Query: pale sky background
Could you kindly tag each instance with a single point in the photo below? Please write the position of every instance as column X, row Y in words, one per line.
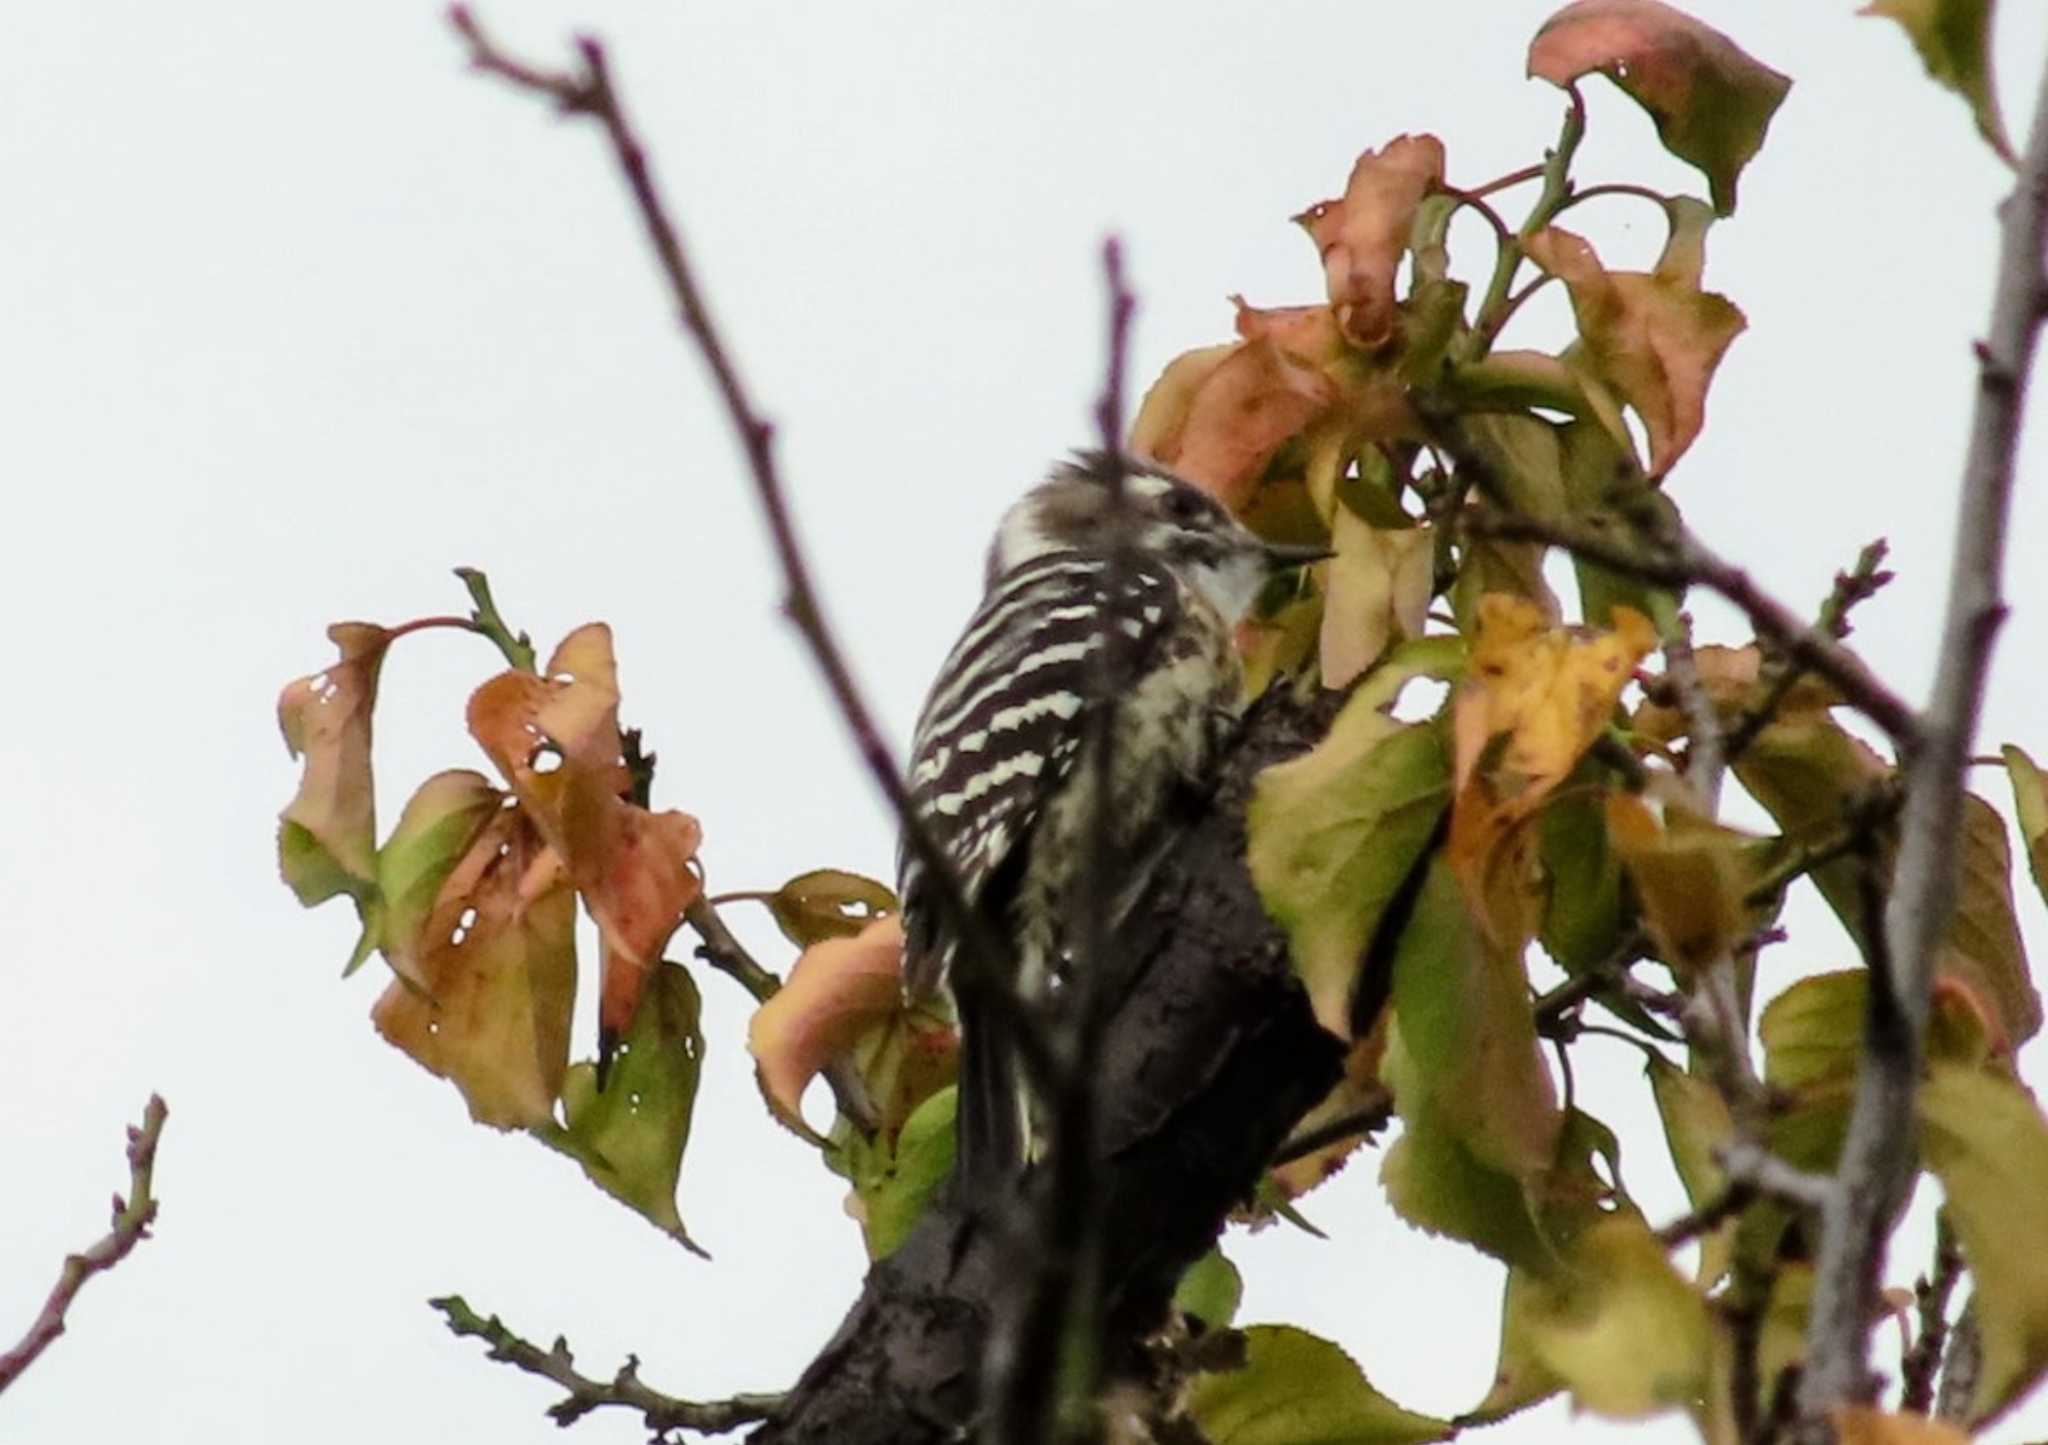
column 295, row 315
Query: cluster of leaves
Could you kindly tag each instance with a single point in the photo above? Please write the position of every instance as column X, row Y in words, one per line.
column 1545, row 805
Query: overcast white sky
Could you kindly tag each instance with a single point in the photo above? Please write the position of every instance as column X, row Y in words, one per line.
column 295, row 315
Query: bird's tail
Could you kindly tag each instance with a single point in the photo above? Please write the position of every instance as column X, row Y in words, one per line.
column 993, row 1132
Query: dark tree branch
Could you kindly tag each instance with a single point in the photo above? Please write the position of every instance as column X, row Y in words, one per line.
column 1876, row 1167
column 1210, row 1055
column 132, row 1218
column 662, row 1413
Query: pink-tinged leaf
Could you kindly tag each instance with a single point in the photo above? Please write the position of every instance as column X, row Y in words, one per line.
column 1308, row 333
column 1654, row 336
column 839, row 991
column 327, row 835
column 1251, row 402
column 1711, row 100
column 1362, row 236
column 556, row 740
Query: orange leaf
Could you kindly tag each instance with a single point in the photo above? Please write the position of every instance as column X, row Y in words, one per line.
column 1655, row 337
column 497, row 960
column 1163, row 414
column 1865, row 1425
column 327, row 835
column 1239, row 415
column 840, row 991
column 1711, row 100
column 1362, row 236
column 631, row 866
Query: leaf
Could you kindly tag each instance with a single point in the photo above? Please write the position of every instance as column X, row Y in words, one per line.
column 1520, row 1378
column 1691, row 876
column 1362, row 236
column 1582, row 914
column 440, row 824
column 840, row 990
column 1696, row 1123
column 1601, row 478
column 1210, row 1289
column 1618, row 1325
column 1866, row 1425
column 896, row 1179
column 1234, row 418
column 1656, row 337
column 1335, row 832
column 631, row 866
column 496, row 966
column 1163, row 415
column 1297, row 1389
column 630, row 1136
column 327, row 834
column 1534, row 699
column 1982, row 948
column 1358, row 1089
column 2030, row 806
column 1813, row 1031
column 828, row 903
column 1281, row 643
column 1711, row 101
column 1984, row 1137
column 1953, row 40
column 1469, row 1059
column 1434, row 1181
column 1377, row 591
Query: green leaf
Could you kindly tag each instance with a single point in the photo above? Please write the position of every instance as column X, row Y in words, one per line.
column 1297, row 1389
column 1618, row 1325
column 1434, row 1182
column 1210, row 1290
column 896, row 1186
column 1712, row 102
column 1984, row 1137
column 1806, row 771
column 827, row 903
column 1582, row 922
column 1602, row 476
column 2030, row 804
column 1696, row 1122
column 1813, row 1031
column 630, row 1138
column 1983, row 947
column 1334, row 833
column 1520, row 1377
column 1953, row 38
column 1469, row 1056
column 440, row 822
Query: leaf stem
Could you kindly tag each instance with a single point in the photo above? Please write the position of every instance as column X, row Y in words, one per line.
column 518, row 649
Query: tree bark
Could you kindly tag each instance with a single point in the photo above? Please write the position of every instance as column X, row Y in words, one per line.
column 1210, row 1057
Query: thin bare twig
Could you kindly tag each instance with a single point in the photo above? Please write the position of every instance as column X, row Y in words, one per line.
column 1862, row 581
column 1043, row 1357
column 590, row 92
column 132, row 1218
column 1705, row 761
column 1930, row 1303
column 1360, row 1123
column 1875, row 1171
column 662, row 1413
column 1961, row 1366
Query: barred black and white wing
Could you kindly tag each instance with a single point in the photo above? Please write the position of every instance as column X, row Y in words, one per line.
column 1003, row 727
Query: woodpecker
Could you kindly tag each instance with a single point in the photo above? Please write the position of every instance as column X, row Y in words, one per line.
column 998, row 776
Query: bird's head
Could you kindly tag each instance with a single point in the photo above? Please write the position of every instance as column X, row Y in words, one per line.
column 1171, row 522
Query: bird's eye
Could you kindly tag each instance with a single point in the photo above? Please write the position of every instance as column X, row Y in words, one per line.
column 1185, row 506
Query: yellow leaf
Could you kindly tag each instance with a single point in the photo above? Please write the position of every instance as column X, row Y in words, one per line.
column 1378, row 591
column 1691, row 876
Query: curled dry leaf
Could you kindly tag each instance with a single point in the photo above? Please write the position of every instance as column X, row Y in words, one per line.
column 1378, row 588
column 435, row 834
column 496, row 962
column 1691, row 876
column 1362, row 236
column 556, row 740
column 840, row 994
column 1654, row 336
column 327, row 834
column 1711, row 100
column 1220, row 419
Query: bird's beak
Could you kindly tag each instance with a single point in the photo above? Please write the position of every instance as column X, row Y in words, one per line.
column 1282, row 556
